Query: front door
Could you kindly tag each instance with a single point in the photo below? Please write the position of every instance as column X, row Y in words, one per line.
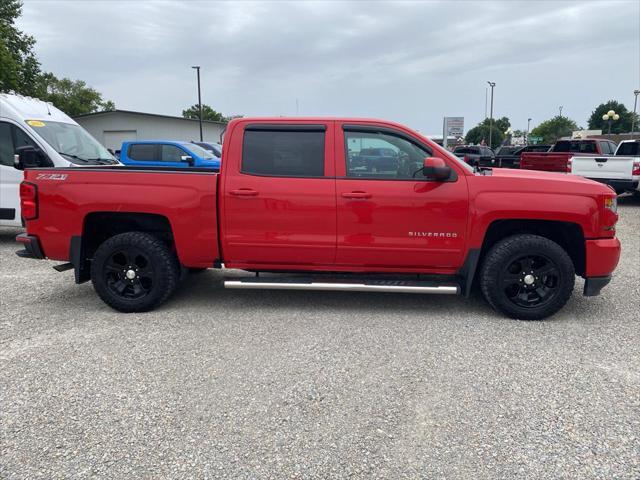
column 11, row 137
column 279, row 199
column 389, row 216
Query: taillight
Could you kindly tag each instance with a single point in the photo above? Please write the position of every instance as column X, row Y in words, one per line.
column 636, row 168
column 29, row 200
column 467, row 159
column 569, row 163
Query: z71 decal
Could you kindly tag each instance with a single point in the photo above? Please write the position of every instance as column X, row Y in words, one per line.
column 51, row 176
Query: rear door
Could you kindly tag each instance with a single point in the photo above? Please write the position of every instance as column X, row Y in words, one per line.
column 279, row 196
column 395, row 219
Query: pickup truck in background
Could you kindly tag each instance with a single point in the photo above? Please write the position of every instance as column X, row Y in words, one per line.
column 621, row 171
column 509, row 156
column 557, row 158
column 475, row 155
column 293, row 205
column 160, row 153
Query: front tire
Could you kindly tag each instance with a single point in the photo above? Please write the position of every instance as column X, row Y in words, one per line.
column 527, row 277
column 134, row 272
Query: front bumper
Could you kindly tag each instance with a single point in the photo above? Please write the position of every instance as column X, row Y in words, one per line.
column 620, row 186
column 602, row 256
column 593, row 285
column 31, row 246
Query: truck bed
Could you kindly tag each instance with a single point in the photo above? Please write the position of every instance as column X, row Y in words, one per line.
column 71, row 197
column 616, row 171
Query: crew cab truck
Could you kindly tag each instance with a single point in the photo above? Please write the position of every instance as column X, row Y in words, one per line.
column 291, row 205
column 557, row 158
column 621, row 172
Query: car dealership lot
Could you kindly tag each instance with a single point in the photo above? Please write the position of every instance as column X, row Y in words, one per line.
column 279, row 384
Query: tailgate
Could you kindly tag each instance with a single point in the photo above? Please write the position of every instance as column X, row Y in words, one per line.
column 620, row 168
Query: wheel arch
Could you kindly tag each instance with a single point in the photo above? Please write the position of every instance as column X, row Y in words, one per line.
column 100, row 226
column 568, row 235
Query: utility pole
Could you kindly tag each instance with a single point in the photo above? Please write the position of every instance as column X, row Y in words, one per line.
column 491, row 84
column 633, row 119
column 528, row 125
column 560, row 111
column 486, row 99
column 197, row 68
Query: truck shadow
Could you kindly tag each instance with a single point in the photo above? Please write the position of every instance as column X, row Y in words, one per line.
column 206, row 291
column 8, row 236
column 629, row 199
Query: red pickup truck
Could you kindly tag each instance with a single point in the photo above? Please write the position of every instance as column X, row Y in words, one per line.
column 292, row 204
column 557, row 158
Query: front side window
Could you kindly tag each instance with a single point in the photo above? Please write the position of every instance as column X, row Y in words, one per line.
column 171, row 153
column 604, row 147
column 382, row 155
column 11, row 138
column 72, row 142
column 283, row 153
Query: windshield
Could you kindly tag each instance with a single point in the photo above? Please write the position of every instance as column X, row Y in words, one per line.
column 631, row 149
column 73, row 142
column 215, row 149
column 575, row 146
column 201, row 152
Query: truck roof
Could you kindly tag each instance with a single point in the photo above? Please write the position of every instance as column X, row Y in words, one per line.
column 20, row 108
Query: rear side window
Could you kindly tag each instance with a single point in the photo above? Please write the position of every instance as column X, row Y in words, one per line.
column 142, row 152
column 604, row 148
column 283, row 153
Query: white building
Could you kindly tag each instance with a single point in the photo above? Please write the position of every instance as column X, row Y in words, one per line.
column 113, row 128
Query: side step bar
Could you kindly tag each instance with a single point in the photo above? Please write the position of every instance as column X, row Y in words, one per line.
column 400, row 286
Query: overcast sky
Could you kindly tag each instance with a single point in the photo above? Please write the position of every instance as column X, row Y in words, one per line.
column 411, row 62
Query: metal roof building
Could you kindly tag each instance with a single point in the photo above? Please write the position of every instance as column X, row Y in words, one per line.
column 117, row 126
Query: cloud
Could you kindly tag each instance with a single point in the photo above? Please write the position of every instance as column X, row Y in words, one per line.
column 408, row 61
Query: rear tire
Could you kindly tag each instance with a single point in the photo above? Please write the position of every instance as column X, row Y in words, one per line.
column 134, row 272
column 527, row 277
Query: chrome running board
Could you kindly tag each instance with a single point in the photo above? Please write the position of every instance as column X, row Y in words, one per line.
column 400, row 286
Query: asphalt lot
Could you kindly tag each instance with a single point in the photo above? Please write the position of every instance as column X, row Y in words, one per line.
column 257, row 384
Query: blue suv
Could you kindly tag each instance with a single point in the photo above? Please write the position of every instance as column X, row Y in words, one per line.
column 160, row 153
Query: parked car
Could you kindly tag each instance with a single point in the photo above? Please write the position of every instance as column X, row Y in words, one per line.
column 375, row 159
column 509, row 156
column 160, row 153
column 46, row 136
column 214, row 148
column 557, row 158
column 288, row 202
column 621, row 171
column 476, row 155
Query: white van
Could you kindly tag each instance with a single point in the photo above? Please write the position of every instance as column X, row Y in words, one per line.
column 49, row 135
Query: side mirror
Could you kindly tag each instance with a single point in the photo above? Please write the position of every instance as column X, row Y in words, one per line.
column 435, row 169
column 30, row 157
column 189, row 159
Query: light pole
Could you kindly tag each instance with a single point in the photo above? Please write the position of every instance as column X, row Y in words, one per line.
column 527, row 137
column 610, row 117
column 560, row 111
column 197, row 67
column 491, row 84
column 633, row 119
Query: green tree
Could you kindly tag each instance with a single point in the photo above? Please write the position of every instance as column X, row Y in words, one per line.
column 481, row 132
column 208, row 113
column 623, row 125
column 74, row 97
column 19, row 67
column 554, row 128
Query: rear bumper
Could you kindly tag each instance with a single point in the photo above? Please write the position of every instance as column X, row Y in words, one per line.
column 31, row 246
column 618, row 185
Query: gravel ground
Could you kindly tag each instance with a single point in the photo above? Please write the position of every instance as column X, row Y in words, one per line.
column 255, row 384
